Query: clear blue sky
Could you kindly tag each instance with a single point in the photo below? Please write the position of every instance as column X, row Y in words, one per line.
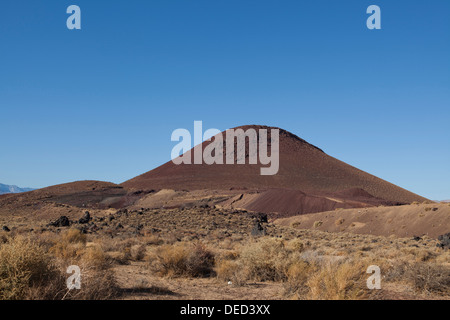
column 102, row 102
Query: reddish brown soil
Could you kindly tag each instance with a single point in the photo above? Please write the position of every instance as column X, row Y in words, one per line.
column 303, row 167
column 287, row 202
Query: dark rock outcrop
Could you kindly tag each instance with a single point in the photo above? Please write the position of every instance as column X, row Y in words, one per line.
column 85, row 219
column 444, row 241
column 258, row 230
column 62, row 221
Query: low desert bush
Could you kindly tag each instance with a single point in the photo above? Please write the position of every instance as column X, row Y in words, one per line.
column 295, row 224
column 231, row 270
column 29, row 271
column 69, row 245
column 127, row 250
column 337, row 281
column 428, row 277
column 265, row 260
column 296, row 277
column 25, row 269
column 296, row 245
column 317, row 224
column 268, row 259
column 96, row 284
column 138, row 252
column 152, row 240
column 73, row 236
column 72, row 248
column 182, row 260
column 94, row 257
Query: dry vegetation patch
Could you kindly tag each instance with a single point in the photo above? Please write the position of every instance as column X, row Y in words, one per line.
column 215, row 247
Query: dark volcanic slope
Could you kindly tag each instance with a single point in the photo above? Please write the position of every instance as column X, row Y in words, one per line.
column 79, row 194
column 303, row 167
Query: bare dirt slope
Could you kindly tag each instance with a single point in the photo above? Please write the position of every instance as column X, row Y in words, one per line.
column 401, row 221
column 288, row 202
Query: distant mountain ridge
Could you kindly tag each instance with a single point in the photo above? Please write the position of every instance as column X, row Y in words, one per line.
column 4, row 188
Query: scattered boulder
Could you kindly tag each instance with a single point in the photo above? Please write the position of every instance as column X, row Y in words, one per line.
column 259, row 216
column 263, row 218
column 122, row 211
column 62, row 221
column 83, row 229
column 258, row 230
column 6, row 229
column 444, row 241
column 85, row 219
column 416, row 238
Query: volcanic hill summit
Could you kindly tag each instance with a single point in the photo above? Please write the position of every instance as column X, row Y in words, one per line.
column 303, row 167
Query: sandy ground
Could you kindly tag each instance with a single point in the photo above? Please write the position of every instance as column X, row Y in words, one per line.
column 137, row 282
column 402, row 221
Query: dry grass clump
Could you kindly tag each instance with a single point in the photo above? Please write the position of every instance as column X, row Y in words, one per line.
column 228, row 268
column 265, row 260
column 269, row 259
column 95, row 258
column 183, row 259
column 338, row 281
column 69, row 245
column 97, row 280
column 71, row 248
column 296, row 245
column 317, row 224
column 124, row 251
column 25, row 269
column 310, row 274
column 152, row 240
column 29, row 270
column 429, row 278
column 138, row 252
column 73, row 236
column 423, row 277
column 296, row 278
column 96, row 284
column 231, row 270
column 135, row 252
